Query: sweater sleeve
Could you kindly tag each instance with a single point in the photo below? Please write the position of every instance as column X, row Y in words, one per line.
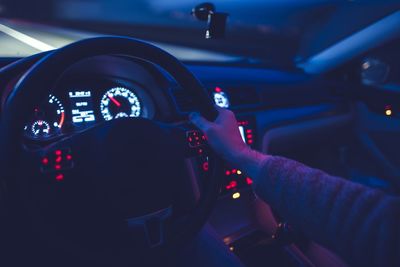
column 358, row 223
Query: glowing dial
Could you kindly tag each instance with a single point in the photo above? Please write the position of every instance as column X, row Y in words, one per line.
column 40, row 128
column 119, row 102
column 47, row 119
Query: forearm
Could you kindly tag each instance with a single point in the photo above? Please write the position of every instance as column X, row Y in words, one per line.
column 250, row 162
column 360, row 224
column 356, row 222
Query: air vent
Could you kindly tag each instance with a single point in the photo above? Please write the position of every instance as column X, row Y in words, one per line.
column 239, row 97
column 242, row 96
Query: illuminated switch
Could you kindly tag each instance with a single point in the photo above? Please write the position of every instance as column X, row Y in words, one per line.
column 205, row 166
column 231, row 185
column 195, row 138
column 59, row 177
column 45, row 161
column 236, row 195
column 58, row 160
column 388, row 110
column 249, row 181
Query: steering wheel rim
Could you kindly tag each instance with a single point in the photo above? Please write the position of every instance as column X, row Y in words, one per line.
column 42, row 75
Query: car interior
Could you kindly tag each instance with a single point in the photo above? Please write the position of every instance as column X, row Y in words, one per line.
column 100, row 165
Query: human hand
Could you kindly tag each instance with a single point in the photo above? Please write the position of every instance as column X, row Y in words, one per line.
column 224, row 138
column 223, row 135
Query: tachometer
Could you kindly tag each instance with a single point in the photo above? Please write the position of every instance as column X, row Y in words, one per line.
column 120, row 102
column 47, row 119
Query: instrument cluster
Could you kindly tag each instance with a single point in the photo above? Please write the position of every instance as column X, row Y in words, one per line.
column 79, row 106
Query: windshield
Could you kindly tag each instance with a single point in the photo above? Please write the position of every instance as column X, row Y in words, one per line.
column 275, row 31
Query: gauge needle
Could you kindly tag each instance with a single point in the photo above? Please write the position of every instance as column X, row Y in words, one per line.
column 114, row 100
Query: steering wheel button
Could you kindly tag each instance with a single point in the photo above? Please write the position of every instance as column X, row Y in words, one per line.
column 54, row 161
column 58, row 159
column 45, row 161
column 195, row 139
column 60, row 177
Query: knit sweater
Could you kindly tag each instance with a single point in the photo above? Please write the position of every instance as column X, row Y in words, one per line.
column 360, row 224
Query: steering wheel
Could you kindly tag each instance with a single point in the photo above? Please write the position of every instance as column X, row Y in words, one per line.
column 114, row 194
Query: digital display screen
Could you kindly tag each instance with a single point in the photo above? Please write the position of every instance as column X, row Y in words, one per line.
column 81, row 107
column 241, row 130
column 221, row 99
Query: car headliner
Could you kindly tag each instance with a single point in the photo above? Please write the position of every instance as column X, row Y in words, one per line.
column 279, row 32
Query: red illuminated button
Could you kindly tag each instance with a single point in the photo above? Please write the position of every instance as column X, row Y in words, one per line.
column 60, row 177
column 249, row 181
column 205, row 166
column 231, row 185
column 58, row 159
column 45, row 161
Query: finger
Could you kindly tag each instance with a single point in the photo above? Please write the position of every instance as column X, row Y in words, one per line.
column 199, row 121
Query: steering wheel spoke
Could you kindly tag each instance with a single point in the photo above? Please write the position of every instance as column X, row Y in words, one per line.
column 200, row 162
column 153, row 225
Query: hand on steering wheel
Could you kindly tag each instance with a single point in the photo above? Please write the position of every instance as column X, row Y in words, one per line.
column 224, row 138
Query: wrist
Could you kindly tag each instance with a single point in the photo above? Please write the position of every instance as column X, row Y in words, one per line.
column 250, row 161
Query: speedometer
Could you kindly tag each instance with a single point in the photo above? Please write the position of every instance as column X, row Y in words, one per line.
column 120, row 102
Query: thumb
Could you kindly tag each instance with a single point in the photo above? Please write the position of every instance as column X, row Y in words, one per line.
column 199, row 121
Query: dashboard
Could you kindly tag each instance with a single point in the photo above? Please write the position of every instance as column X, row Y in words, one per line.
column 106, row 88
column 82, row 103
